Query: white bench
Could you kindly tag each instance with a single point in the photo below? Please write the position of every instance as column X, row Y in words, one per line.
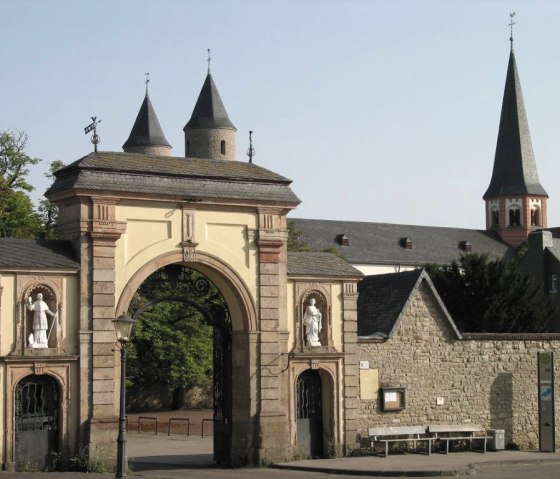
column 389, row 434
column 458, row 432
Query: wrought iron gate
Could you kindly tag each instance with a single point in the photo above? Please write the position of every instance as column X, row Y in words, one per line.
column 310, row 413
column 179, row 283
column 36, row 421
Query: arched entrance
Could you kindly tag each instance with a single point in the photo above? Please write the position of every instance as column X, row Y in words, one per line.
column 309, row 413
column 192, row 299
column 37, row 408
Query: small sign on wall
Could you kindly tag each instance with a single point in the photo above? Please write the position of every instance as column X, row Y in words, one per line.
column 369, row 383
column 364, row 364
column 392, row 399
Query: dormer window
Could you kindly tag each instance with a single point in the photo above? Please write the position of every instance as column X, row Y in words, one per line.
column 407, row 243
column 343, row 240
column 467, row 246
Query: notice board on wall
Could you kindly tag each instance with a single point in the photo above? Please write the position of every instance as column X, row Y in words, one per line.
column 369, row 383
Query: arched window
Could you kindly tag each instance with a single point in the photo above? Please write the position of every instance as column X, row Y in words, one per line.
column 515, row 216
column 223, row 147
column 535, row 217
column 495, row 218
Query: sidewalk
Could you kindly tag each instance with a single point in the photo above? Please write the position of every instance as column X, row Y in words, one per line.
column 154, row 456
column 418, row 465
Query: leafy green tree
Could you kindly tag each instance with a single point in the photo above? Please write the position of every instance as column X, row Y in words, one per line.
column 48, row 211
column 295, row 243
column 17, row 216
column 172, row 342
column 494, row 296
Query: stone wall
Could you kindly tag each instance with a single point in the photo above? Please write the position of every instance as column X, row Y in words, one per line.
column 489, row 380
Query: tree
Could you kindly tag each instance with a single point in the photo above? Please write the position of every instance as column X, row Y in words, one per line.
column 494, row 296
column 17, row 216
column 48, row 211
column 295, row 243
column 172, row 342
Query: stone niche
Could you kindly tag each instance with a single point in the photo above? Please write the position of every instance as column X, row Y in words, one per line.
column 50, row 289
column 321, row 295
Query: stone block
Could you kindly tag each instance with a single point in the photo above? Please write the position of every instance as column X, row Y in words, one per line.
column 350, row 326
column 103, row 312
column 104, row 275
column 268, row 324
column 269, row 303
column 103, row 262
column 266, row 314
column 269, row 269
column 104, row 386
column 269, row 291
column 103, row 300
column 270, row 348
column 269, row 280
column 104, row 361
column 103, row 287
column 104, row 349
column 104, row 251
column 105, row 410
column 103, row 374
column 104, row 337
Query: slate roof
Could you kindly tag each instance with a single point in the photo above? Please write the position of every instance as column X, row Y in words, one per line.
column 515, row 170
column 383, row 243
column 186, row 178
column 319, row 264
column 30, row 253
column 383, row 298
column 146, row 130
column 209, row 111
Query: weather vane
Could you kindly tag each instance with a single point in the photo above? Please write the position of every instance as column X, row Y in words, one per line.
column 95, row 139
column 147, row 81
column 209, row 60
column 511, row 24
column 251, row 151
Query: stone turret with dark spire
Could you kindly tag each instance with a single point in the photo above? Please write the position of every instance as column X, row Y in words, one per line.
column 147, row 136
column 516, row 202
column 210, row 133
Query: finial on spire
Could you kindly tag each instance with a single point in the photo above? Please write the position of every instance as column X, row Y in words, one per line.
column 93, row 127
column 251, row 151
column 147, row 81
column 511, row 24
column 209, row 60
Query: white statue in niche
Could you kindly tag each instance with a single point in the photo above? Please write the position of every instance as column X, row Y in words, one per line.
column 39, row 338
column 313, row 322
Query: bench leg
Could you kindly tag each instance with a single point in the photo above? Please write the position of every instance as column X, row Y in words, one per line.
column 386, row 448
column 429, row 447
column 447, row 447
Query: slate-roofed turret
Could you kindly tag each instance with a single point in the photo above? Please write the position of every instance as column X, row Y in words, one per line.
column 516, row 202
column 515, row 170
column 210, row 133
column 147, row 136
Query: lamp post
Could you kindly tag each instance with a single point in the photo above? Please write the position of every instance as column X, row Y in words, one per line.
column 123, row 327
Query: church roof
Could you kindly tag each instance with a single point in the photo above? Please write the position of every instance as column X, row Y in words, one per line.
column 177, row 177
column 385, row 243
column 319, row 264
column 515, row 170
column 383, row 298
column 146, row 130
column 209, row 111
column 32, row 254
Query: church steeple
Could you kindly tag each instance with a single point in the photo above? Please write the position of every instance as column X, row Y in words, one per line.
column 515, row 199
column 210, row 133
column 147, row 136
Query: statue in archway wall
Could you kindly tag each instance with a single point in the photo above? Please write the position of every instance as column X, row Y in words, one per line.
column 39, row 337
column 313, row 322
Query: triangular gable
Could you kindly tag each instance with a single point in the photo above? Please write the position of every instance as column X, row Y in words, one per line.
column 424, row 277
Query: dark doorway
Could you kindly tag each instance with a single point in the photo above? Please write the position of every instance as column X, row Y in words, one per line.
column 36, row 422
column 178, row 302
column 310, row 413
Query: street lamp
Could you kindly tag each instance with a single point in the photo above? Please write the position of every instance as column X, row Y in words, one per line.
column 123, row 327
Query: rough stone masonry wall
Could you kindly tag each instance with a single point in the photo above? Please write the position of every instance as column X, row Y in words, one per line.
column 491, row 382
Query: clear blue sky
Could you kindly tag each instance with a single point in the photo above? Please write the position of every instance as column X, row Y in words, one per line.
column 378, row 110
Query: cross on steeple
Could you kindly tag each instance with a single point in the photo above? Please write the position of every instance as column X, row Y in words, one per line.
column 511, row 24
column 209, row 60
column 147, row 81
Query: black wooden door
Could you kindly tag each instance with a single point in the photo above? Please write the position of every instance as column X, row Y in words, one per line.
column 310, row 414
column 36, row 421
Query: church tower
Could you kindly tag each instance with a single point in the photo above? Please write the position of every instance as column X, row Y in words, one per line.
column 147, row 136
column 210, row 133
column 515, row 200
